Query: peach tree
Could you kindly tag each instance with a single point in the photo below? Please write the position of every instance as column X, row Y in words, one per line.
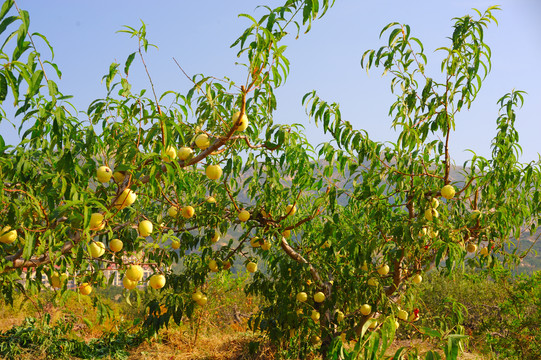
column 335, row 235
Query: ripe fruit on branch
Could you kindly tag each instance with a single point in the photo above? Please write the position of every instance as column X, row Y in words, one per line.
column 319, row 297
column 484, row 251
column 213, row 266
column 414, row 316
column 116, row 245
column 286, row 233
column 197, row 295
column 169, row 154
column 216, row 236
column 430, row 214
column 8, row 236
column 291, row 210
column 175, row 244
column 255, row 242
column 244, row 215
column 126, row 198
column 339, row 316
column 211, row 200
column 226, row 265
column 85, row 289
column 251, row 267
column 434, row 203
column 448, row 192
column 266, row 245
column 184, row 153
column 302, row 296
column 97, row 249
column 315, row 315
column 383, row 270
column 402, row 315
column 213, row 172
column 417, row 279
column 372, row 282
column 243, row 121
column 172, row 211
column 202, row 301
column 96, row 222
column 188, row 212
column 58, row 280
column 471, row 248
column 157, row 281
column 55, row 280
column 145, row 228
column 118, row 176
column 202, row 141
column 104, row 174
column 134, row 273
column 129, row 284
column 366, row 309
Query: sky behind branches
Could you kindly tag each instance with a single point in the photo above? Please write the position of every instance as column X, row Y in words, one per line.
column 198, row 34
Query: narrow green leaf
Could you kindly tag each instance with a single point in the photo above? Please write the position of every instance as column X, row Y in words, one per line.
column 58, row 72
column 25, row 17
column 3, row 88
column 28, row 245
column 128, row 63
column 5, row 8
column 53, row 89
column 6, row 22
column 46, row 41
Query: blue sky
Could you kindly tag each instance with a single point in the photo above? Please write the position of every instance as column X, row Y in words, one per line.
column 198, row 35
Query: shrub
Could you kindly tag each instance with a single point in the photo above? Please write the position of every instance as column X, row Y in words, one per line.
column 516, row 334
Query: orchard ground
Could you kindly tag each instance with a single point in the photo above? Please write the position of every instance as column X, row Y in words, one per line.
column 220, row 330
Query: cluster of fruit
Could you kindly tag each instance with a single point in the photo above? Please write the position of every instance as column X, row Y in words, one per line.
column 448, row 192
column 145, row 228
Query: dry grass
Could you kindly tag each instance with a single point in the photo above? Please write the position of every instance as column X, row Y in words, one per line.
column 220, row 346
column 222, row 331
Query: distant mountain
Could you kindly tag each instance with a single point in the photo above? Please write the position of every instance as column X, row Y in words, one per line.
column 530, row 263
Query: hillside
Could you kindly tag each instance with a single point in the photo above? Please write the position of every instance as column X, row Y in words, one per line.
column 530, row 263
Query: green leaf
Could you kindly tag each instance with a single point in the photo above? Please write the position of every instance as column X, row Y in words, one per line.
column 430, row 332
column 28, row 245
column 109, row 77
column 128, row 63
column 46, row 41
column 25, row 17
column 58, row 72
column 3, row 87
column 432, row 355
column 392, row 36
column 6, row 22
column 53, row 89
column 5, row 8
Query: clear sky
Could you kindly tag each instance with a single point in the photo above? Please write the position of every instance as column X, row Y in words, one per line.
column 198, row 35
